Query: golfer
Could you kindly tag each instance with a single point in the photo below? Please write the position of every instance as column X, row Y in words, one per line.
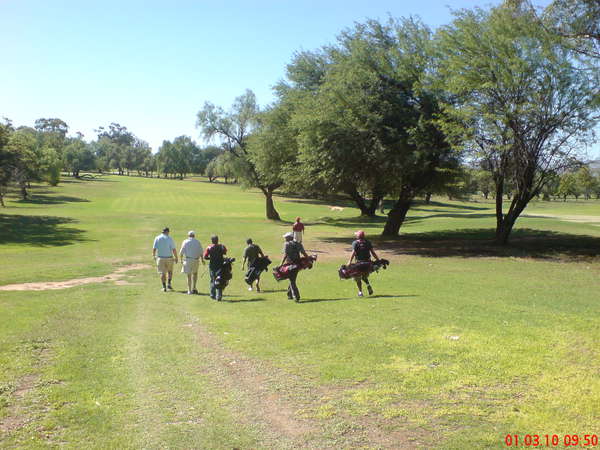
column 291, row 255
column 191, row 255
column 298, row 230
column 214, row 253
column 164, row 251
column 362, row 249
column 252, row 252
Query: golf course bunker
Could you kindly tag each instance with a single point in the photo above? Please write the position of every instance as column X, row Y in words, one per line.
column 49, row 285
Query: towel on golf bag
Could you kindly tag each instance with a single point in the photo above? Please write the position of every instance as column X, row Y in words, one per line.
column 283, row 272
column 224, row 274
column 258, row 266
column 362, row 268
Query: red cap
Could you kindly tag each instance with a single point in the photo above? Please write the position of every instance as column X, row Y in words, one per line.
column 360, row 234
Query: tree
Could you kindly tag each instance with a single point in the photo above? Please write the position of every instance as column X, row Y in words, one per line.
column 78, row 156
column 520, row 102
column 23, row 149
column 568, row 186
column 7, row 158
column 586, row 182
column 116, row 146
column 233, row 128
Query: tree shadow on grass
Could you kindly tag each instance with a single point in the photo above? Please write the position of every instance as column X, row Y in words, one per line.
column 245, row 300
column 43, row 231
column 316, row 300
column 38, row 199
column 478, row 242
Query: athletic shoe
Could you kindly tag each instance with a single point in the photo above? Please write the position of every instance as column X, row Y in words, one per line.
column 163, row 289
column 257, row 289
column 370, row 289
column 189, row 292
column 360, row 294
column 195, row 291
column 170, row 287
column 250, row 288
column 297, row 299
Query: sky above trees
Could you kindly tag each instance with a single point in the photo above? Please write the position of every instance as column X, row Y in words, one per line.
column 151, row 65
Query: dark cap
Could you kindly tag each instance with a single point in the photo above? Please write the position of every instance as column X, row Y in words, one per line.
column 166, row 229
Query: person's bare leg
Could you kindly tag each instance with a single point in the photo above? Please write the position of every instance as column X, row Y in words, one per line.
column 189, row 279
column 195, row 281
column 258, row 285
column 163, row 279
column 359, row 284
column 170, row 278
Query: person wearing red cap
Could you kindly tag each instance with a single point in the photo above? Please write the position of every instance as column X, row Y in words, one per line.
column 362, row 249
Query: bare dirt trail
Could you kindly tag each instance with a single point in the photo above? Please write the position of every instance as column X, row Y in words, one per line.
column 284, row 406
column 116, row 277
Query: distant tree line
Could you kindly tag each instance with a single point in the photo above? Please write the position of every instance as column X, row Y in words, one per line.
column 42, row 152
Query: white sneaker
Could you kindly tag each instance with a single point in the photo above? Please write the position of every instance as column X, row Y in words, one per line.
column 360, row 294
column 250, row 288
column 189, row 292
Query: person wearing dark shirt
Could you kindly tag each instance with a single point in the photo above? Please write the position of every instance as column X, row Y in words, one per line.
column 362, row 249
column 214, row 253
column 291, row 255
column 252, row 252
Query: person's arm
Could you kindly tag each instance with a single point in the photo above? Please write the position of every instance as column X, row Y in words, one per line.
column 175, row 255
column 374, row 254
column 244, row 263
column 352, row 257
column 224, row 250
column 154, row 252
column 201, row 256
column 206, row 253
column 260, row 252
column 181, row 251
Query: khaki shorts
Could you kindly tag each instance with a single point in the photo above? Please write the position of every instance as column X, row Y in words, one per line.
column 298, row 236
column 164, row 265
column 190, row 266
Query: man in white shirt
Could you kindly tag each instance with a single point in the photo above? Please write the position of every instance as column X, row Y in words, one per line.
column 191, row 255
column 164, row 251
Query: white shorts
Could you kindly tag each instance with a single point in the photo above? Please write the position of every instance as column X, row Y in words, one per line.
column 190, row 265
column 164, row 265
column 298, row 236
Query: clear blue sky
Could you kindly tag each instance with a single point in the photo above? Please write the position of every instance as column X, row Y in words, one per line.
column 150, row 65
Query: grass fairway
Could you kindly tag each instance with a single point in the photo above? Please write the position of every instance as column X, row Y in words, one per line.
column 462, row 343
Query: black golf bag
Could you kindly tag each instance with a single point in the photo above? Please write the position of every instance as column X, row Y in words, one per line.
column 224, row 274
column 258, row 266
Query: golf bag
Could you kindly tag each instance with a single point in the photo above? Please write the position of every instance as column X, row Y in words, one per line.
column 224, row 274
column 283, row 272
column 254, row 271
column 362, row 268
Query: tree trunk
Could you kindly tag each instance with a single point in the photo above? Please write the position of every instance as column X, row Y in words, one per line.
column 2, row 200
column 24, row 191
column 499, row 214
column 503, row 232
column 428, row 198
column 373, row 204
column 360, row 201
column 272, row 213
column 397, row 214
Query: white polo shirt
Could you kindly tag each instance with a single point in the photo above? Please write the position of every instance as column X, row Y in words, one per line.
column 164, row 246
column 191, row 248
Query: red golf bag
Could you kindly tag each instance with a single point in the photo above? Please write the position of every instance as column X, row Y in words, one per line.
column 362, row 268
column 283, row 272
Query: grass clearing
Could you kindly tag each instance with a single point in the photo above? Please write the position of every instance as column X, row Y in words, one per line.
column 461, row 344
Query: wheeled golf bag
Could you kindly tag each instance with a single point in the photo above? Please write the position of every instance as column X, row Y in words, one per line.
column 254, row 271
column 362, row 268
column 283, row 272
column 224, row 274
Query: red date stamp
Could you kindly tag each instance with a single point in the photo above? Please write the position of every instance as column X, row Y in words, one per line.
column 551, row 440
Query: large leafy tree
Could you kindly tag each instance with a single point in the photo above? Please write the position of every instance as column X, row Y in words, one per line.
column 366, row 123
column 78, row 156
column 233, row 128
column 519, row 101
column 7, row 158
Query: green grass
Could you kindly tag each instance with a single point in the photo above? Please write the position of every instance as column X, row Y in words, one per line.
column 462, row 343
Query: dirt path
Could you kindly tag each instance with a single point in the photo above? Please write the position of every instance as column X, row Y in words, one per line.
column 116, row 277
column 284, row 405
column 594, row 220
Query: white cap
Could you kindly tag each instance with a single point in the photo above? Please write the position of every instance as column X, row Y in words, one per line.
column 288, row 234
column 191, row 233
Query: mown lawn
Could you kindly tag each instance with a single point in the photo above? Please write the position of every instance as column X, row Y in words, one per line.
column 462, row 343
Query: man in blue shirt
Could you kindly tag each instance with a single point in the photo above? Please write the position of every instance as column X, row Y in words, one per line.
column 164, row 251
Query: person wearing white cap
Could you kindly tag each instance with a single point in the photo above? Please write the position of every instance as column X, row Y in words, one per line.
column 291, row 255
column 191, row 255
column 163, row 251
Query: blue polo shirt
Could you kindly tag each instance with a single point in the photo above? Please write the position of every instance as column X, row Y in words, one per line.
column 164, row 246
